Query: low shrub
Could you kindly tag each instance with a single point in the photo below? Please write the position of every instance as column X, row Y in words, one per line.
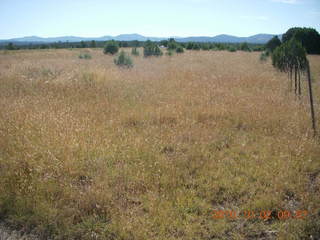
column 205, row 46
column 232, row 49
column 85, row 56
column 123, row 60
column 264, row 56
column 179, row 49
column 169, row 53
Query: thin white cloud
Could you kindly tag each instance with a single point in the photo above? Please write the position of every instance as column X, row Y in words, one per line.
column 260, row 18
column 287, row 1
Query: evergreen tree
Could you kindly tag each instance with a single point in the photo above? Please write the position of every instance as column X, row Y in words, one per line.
column 189, row 45
column 151, row 49
column 273, row 43
column 309, row 38
column 111, row 47
column 179, row 49
column 93, row 44
column 10, row 46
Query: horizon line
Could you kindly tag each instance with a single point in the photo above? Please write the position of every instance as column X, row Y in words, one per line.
column 168, row 37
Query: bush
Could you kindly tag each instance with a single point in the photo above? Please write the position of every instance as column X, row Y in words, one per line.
column 205, row 46
column 85, row 56
column 151, row 49
column 189, row 45
column 111, row 47
column 245, row 47
column 179, row 49
column 232, row 49
column 264, row 56
column 135, row 52
column 123, row 60
column 196, row 46
column 221, row 46
column 258, row 48
column 172, row 44
column 169, row 53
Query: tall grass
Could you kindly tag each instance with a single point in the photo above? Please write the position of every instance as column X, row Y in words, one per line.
column 95, row 152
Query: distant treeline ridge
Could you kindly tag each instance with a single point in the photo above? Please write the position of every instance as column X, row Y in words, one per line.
column 132, row 44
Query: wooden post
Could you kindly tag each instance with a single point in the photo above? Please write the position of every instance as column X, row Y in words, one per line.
column 291, row 88
column 311, row 100
column 295, row 80
column 299, row 83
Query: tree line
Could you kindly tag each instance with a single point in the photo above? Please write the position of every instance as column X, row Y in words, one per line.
column 290, row 56
column 170, row 43
column 308, row 37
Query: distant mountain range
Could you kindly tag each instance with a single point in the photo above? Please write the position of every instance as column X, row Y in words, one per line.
column 223, row 38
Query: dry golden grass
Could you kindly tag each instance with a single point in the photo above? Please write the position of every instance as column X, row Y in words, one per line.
column 92, row 151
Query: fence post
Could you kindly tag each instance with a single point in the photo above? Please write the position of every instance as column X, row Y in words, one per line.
column 311, row 100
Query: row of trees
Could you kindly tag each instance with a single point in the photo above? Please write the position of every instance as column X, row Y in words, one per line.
column 58, row 45
column 149, row 49
column 290, row 56
column 171, row 44
column 308, row 37
column 154, row 48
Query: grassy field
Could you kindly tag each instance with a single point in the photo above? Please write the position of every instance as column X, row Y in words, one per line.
column 89, row 150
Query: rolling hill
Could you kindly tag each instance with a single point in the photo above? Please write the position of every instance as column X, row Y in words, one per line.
column 223, row 38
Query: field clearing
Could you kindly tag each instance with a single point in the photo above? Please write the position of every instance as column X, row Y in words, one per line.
column 89, row 150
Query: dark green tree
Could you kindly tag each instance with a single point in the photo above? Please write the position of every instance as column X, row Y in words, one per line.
column 189, row 45
column 10, row 46
column 93, row 44
column 273, row 43
column 309, row 38
column 111, row 47
column 124, row 44
column 244, row 47
column 151, row 49
column 135, row 43
column 221, row 46
column 172, row 44
column 196, row 46
column 291, row 57
column 179, row 49
column 164, row 43
column 83, row 44
column 205, row 46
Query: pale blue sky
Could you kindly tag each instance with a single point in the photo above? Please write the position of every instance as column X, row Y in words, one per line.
column 164, row 18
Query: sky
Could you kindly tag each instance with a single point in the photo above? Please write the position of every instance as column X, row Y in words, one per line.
column 96, row 18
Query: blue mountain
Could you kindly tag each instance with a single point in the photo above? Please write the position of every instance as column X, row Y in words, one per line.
column 223, row 38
